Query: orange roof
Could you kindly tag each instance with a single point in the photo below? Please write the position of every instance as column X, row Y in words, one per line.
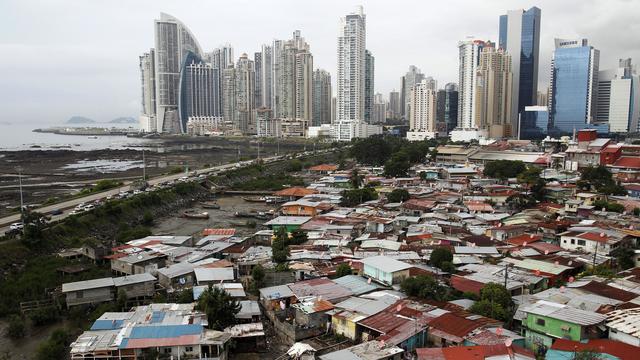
column 324, row 167
column 477, row 352
column 628, row 162
column 223, row 232
column 524, row 238
column 603, row 346
column 219, row 264
column 295, row 191
column 602, row 238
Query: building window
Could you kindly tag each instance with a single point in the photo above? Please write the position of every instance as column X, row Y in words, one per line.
column 565, row 328
column 573, row 241
column 167, row 350
column 540, row 322
column 188, row 349
column 582, row 242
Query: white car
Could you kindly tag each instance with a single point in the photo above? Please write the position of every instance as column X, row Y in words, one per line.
column 15, row 226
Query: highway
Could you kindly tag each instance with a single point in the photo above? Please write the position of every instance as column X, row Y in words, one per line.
column 67, row 206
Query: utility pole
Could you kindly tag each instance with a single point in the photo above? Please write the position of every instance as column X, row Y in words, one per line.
column 144, row 167
column 506, row 268
column 21, row 198
column 594, row 255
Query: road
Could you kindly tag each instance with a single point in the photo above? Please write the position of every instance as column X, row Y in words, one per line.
column 68, row 205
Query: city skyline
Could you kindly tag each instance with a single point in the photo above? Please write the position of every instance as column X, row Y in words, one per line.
column 99, row 68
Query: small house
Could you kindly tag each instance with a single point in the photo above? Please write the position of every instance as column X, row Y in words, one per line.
column 385, row 270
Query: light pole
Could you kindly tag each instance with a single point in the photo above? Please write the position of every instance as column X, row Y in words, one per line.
column 21, row 198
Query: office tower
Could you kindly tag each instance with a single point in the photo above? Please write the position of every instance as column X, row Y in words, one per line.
column 266, row 125
column 245, row 96
column 493, row 92
column 267, row 76
column 228, row 96
column 173, row 43
column 220, row 59
column 369, row 72
column 198, row 91
column 409, row 80
column 379, row 113
column 574, row 79
column 519, row 36
column 447, row 108
column 334, row 107
column 615, row 97
column 148, row 85
column 351, row 67
column 542, row 98
column 394, row 104
column 257, row 61
column 321, row 97
column 469, row 57
column 534, row 123
column 422, row 116
column 304, row 86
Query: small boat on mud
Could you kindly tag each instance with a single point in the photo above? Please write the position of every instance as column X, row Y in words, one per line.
column 210, row 205
column 254, row 198
column 261, row 215
column 192, row 214
column 275, row 200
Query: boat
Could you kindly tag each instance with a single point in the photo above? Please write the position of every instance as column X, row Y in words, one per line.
column 260, row 215
column 242, row 214
column 210, row 205
column 192, row 214
column 92, row 137
column 275, row 200
column 254, row 198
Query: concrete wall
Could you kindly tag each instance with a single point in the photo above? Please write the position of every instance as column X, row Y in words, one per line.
column 91, row 296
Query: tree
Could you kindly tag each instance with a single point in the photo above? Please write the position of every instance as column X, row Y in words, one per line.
column 147, row 218
column 601, row 179
column 398, row 195
column 355, row 179
column 624, row 257
column 374, row 150
column 520, row 201
column 297, row 237
column 424, row 286
column 258, row 274
column 608, row 206
column 440, row 255
column 279, row 247
column 495, row 302
column 491, row 310
column 447, row 266
column 53, row 348
column 184, row 296
column 358, row 196
column 343, row 270
column 397, row 165
column 219, row 306
column 16, row 328
column 503, row 169
column 529, row 176
column 587, row 354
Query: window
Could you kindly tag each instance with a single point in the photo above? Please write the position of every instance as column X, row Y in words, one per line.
column 582, row 242
column 565, row 328
column 573, row 241
column 540, row 322
column 167, row 350
column 188, row 349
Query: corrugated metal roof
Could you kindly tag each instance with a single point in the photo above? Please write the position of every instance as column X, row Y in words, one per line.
column 564, row 313
column 276, row 292
column 87, row 284
column 357, row 284
column 386, row 264
column 133, row 279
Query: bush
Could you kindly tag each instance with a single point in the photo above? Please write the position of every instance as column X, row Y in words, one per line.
column 439, row 256
column 424, row 286
column 398, row 195
column 343, row 270
column 358, row 196
column 147, row 218
column 44, row 316
column 55, row 347
column 16, row 327
column 294, row 165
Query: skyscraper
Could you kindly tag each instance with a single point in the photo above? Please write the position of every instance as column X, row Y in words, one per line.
column 267, row 76
column 394, row 104
column 292, row 77
column 198, row 91
column 257, row 61
column 519, row 36
column 615, row 97
column 245, row 96
column 228, row 98
column 409, row 80
column 173, row 43
column 321, row 97
column 469, row 58
column 148, row 85
column 220, row 59
column 304, row 86
column 369, row 74
column 447, row 108
column 379, row 113
column 351, row 67
column 422, row 117
column 574, row 79
column 493, row 88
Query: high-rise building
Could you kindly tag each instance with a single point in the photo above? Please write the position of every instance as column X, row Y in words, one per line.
column 534, row 123
column 573, row 90
column 220, row 59
column 266, row 125
column 379, row 113
column 321, row 97
column 229, row 95
column 334, row 107
column 173, row 44
column 422, row 117
column 394, row 105
column 351, row 67
column 266, row 72
column 304, row 86
column 198, row 91
column 148, row 85
column 519, row 36
column 542, row 98
column 369, row 73
column 469, row 58
column 257, row 61
column 493, row 92
column 409, row 80
column 615, row 97
column 244, row 120
column 447, row 108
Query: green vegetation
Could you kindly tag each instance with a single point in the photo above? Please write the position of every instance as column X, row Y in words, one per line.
column 358, row 196
column 608, row 206
column 624, row 257
column 279, row 246
column 439, row 256
column 355, row 179
column 397, row 165
column 258, row 274
column 398, row 195
column 396, row 154
column 504, row 169
column 101, row 185
column 176, row 170
column 269, row 182
column 531, row 179
column 425, row 286
column 55, row 347
column 343, row 270
column 16, row 328
column 495, row 302
column 600, row 179
column 44, row 316
column 294, row 165
column 219, row 307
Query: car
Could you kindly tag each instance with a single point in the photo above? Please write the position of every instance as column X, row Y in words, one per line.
column 136, row 192
column 56, row 212
column 89, row 208
column 16, row 226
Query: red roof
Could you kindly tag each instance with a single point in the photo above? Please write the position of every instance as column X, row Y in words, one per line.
column 616, row 348
column 632, row 187
column 608, row 291
column 454, row 325
column 324, row 167
column 524, row 238
column 223, row 232
column 632, row 162
column 544, row 247
column 477, row 352
column 602, row 238
column 463, row 284
column 418, row 204
column 384, row 321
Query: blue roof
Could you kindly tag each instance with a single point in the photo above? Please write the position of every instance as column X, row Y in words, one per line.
column 166, row 331
column 157, row 317
column 107, row 324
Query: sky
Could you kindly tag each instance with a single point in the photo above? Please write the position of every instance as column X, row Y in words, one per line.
column 60, row 58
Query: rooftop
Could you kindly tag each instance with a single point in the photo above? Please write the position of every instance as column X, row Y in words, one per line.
column 386, row 263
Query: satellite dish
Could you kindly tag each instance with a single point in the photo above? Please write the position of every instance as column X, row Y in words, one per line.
column 182, row 281
column 524, row 243
column 570, row 263
column 571, row 279
column 499, row 331
column 507, row 342
column 546, row 252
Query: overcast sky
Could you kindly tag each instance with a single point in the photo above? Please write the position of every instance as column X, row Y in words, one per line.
column 60, row 58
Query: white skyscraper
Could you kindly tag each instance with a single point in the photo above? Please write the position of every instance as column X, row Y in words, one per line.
column 422, row 117
column 173, row 42
column 351, row 67
column 615, row 97
column 469, row 56
column 148, row 85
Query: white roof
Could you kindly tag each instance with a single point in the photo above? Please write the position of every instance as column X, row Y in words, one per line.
column 386, row 263
column 87, row 284
column 288, row 220
column 133, row 279
column 213, row 274
column 564, row 313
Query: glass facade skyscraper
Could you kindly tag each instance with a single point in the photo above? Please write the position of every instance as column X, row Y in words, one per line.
column 534, row 123
column 574, row 77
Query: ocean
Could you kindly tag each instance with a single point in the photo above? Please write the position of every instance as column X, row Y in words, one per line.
column 21, row 137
